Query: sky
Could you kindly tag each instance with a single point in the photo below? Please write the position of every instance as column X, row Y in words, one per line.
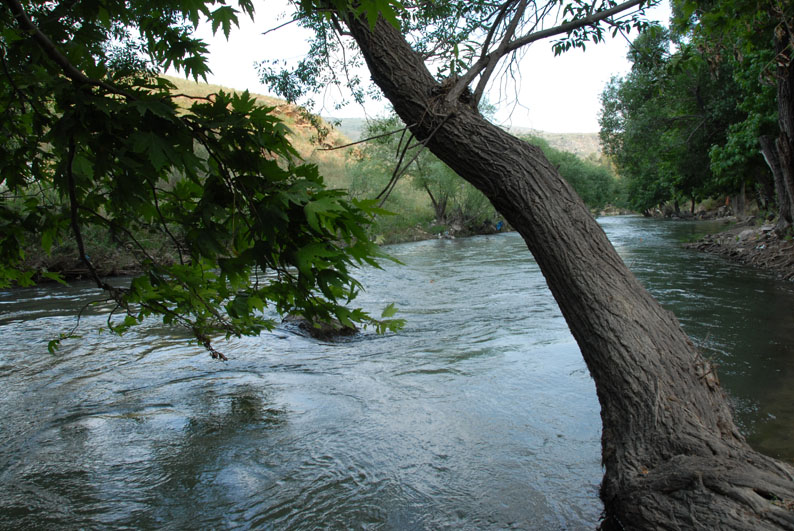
column 555, row 94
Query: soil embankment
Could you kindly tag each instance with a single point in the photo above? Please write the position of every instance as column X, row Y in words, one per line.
column 758, row 246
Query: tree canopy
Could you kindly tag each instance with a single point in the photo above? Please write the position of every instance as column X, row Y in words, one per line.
column 660, row 122
column 95, row 140
column 694, row 122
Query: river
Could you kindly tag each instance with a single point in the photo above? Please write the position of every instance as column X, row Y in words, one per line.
column 480, row 414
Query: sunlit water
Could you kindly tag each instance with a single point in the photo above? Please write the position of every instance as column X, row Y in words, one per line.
column 480, row 414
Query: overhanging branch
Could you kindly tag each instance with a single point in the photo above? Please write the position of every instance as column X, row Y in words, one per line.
column 486, row 65
column 573, row 25
column 52, row 51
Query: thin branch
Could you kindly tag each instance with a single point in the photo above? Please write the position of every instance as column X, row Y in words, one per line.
column 589, row 20
column 113, row 225
column 694, row 131
column 491, row 67
column 21, row 94
column 364, row 140
column 511, row 46
column 208, row 97
column 344, row 57
column 398, row 172
column 338, row 27
column 287, row 23
column 491, row 32
column 74, row 207
column 54, row 53
column 165, row 224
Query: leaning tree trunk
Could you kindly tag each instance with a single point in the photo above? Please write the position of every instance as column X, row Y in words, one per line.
column 673, row 456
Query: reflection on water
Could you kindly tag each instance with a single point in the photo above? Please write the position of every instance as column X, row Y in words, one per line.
column 480, row 414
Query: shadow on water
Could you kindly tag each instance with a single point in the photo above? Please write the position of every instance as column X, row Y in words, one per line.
column 479, row 415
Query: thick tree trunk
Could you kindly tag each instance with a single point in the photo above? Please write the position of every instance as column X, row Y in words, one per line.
column 673, row 455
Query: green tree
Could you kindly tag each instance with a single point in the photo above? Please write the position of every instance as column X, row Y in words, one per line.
column 393, row 154
column 94, row 140
column 629, row 127
column 673, row 456
column 660, row 123
column 758, row 38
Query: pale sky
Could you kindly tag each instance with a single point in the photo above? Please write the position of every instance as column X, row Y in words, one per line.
column 556, row 94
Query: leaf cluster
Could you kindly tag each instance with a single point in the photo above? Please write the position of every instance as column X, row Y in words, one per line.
column 96, row 139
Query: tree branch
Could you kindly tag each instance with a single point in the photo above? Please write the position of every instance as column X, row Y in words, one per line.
column 364, row 140
column 589, row 20
column 491, row 32
column 115, row 293
column 489, row 60
column 491, row 67
column 52, row 51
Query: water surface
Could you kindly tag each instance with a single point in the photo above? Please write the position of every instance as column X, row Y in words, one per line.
column 480, row 414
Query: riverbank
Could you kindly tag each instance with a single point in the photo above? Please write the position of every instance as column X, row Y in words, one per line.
column 112, row 260
column 750, row 244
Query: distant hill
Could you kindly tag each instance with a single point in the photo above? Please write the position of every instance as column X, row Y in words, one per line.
column 352, row 128
column 580, row 144
column 304, row 134
column 305, row 139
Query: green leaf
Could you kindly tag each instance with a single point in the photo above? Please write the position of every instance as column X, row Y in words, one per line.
column 224, row 17
column 389, row 311
column 56, row 277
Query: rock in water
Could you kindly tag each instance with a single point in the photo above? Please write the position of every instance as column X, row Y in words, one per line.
column 321, row 330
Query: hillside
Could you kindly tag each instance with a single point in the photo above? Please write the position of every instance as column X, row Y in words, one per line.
column 309, row 139
column 343, row 130
column 580, row 144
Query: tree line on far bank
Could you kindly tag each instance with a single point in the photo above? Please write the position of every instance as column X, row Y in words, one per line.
column 706, row 110
column 427, row 194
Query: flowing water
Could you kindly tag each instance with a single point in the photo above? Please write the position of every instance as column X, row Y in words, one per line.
column 480, row 414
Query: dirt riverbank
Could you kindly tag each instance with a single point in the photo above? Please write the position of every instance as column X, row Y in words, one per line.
column 755, row 245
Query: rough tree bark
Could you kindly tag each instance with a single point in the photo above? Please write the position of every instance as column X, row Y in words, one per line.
column 673, row 456
column 785, row 107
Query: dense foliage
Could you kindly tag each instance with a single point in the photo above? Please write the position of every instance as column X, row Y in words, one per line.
column 95, row 140
column 659, row 123
column 691, row 123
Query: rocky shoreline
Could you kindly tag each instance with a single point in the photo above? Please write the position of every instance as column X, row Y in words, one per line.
column 757, row 246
